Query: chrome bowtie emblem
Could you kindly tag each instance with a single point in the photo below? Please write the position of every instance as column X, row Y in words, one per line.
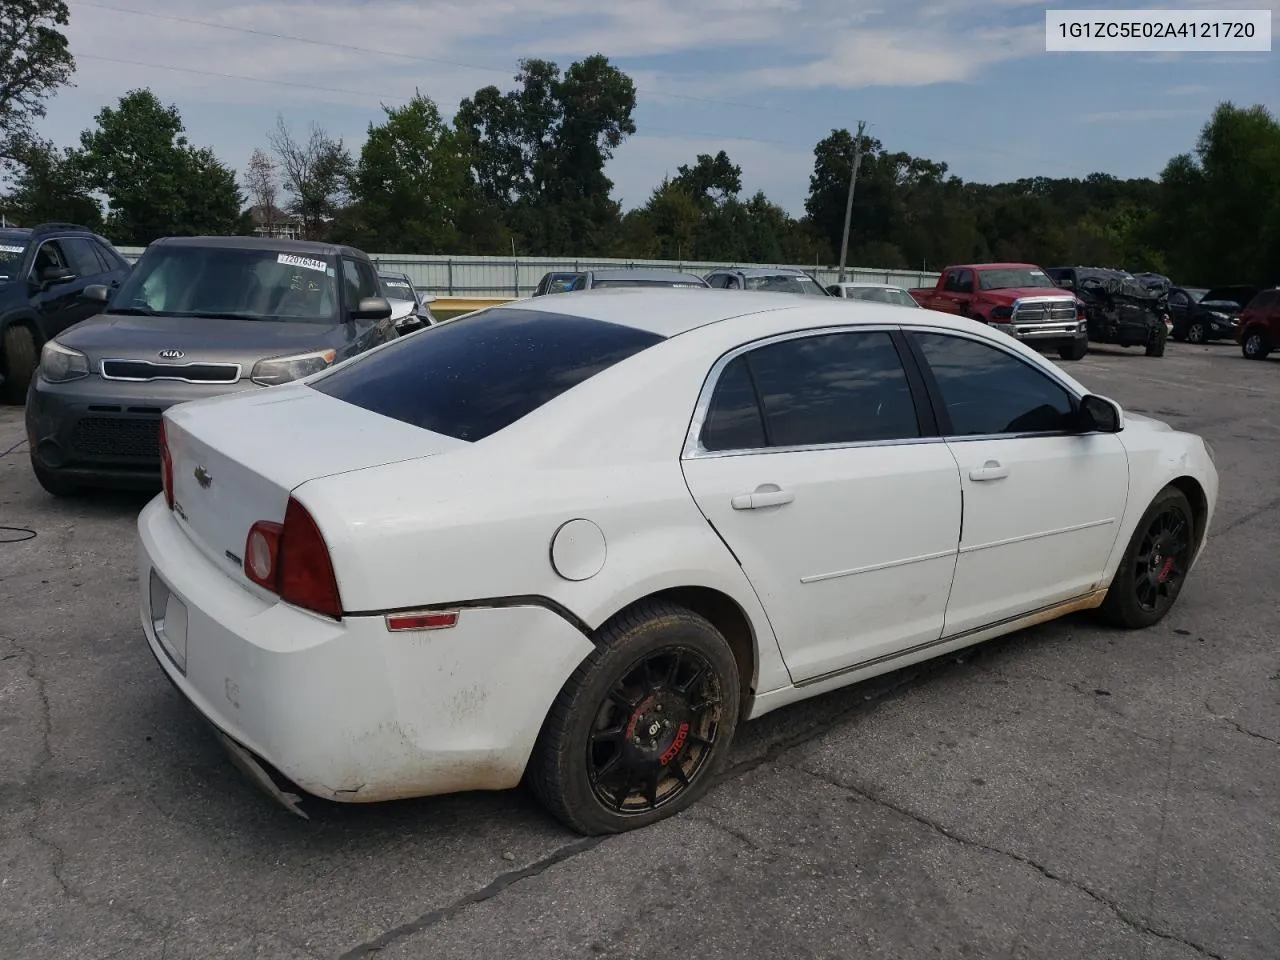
column 171, row 354
column 203, row 477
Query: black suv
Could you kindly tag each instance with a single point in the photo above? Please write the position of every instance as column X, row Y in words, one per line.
column 43, row 272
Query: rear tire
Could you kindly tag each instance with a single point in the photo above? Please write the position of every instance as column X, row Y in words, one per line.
column 1074, row 350
column 54, row 484
column 643, row 726
column 1155, row 564
column 20, row 361
column 1255, row 346
column 1155, row 344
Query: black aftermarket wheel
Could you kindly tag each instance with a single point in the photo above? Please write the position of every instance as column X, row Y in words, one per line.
column 1155, row 564
column 640, row 730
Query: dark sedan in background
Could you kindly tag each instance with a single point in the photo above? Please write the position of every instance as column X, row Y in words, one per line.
column 197, row 317
column 1213, row 315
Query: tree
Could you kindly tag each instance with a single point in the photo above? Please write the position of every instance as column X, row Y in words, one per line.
column 711, row 178
column 411, row 182
column 538, row 152
column 316, row 174
column 50, row 184
column 1219, row 209
column 157, row 184
column 262, row 186
column 34, row 61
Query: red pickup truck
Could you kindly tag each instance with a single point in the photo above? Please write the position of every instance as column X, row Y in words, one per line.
column 1018, row 298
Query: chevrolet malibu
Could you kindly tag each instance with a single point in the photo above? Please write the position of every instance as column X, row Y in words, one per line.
column 197, row 317
column 652, row 515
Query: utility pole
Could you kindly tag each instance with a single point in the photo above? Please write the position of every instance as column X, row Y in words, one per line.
column 848, row 207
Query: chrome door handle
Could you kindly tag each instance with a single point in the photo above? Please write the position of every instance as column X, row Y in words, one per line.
column 991, row 470
column 765, row 495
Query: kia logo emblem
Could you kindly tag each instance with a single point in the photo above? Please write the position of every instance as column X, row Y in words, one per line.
column 171, row 354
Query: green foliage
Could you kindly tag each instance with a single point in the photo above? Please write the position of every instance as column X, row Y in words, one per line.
column 156, row 183
column 1218, row 210
column 34, row 61
column 49, row 185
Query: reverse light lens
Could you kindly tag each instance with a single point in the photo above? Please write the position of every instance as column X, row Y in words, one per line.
column 260, row 552
column 59, row 364
column 277, row 370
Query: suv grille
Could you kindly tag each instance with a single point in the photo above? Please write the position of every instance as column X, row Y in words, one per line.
column 191, row 372
column 1048, row 311
column 117, row 437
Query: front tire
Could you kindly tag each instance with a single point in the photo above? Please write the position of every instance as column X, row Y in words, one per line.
column 1254, row 346
column 1156, row 341
column 1155, row 564
column 20, row 361
column 1197, row 333
column 643, row 726
column 1074, row 349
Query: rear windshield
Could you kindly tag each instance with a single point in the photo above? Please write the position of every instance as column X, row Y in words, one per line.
column 787, row 283
column 472, row 377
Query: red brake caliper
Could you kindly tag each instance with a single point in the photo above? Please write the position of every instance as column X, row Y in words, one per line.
column 1166, row 570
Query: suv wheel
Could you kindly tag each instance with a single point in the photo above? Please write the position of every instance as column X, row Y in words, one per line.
column 20, row 361
column 1197, row 333
column 1254, row 346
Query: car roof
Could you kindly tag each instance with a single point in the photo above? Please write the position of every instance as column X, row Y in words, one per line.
column 996, row 266
column 312, row 247
column 641, row 273
column 22, row 234
column 669, row 312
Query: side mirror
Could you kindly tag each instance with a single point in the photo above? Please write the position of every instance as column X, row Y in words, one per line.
column 1099, row 415
column 372, row 308
column 96, row 292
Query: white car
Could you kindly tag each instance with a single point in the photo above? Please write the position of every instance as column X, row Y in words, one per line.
column 876, row 292
column 584, row 537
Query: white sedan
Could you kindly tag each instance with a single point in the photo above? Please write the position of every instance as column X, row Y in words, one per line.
column 580, row 539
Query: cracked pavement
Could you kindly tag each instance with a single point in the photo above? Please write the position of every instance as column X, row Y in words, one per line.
column 1067, row 791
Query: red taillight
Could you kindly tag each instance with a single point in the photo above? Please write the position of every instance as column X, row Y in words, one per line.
column 292, row 560
column 166, row 466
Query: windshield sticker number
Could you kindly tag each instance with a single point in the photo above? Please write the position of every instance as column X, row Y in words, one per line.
column 289, row 260
column 9, row 248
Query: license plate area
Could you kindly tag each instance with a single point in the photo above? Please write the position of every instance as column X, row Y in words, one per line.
column 169, row 621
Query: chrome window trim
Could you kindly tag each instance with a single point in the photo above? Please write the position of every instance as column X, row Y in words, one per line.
column 694, row 450
column 102, row 370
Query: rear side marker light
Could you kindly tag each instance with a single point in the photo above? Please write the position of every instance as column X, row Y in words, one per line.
column 423, row 620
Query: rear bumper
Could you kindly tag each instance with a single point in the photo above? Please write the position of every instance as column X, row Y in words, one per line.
column 348, row 711
column 104, row 433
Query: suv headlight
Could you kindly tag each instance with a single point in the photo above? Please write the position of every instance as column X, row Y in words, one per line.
column 59, row 364
column 277, row 370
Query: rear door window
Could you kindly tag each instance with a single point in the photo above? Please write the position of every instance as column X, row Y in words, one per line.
column 469, row 379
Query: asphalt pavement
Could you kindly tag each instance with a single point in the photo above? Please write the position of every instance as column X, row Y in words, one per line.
column 1070, row 791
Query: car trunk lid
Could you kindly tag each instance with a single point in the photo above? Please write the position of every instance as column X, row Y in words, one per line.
column 236, row 459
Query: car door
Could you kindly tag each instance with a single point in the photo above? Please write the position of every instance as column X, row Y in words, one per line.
column 359, row 282
column 59, row 305
column 815, row 460
column 1042, row 504
column 951, row 299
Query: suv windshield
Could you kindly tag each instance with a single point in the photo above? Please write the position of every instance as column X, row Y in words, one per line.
column 11, row 250
column 224, row 282
column 397, row 288
column 882, row 295
column 786, row 283
column 599, row 284
column 1012, row 277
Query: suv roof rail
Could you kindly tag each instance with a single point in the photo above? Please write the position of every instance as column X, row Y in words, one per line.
column 57, row 225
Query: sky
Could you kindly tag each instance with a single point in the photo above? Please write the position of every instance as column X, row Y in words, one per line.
column 965, row 83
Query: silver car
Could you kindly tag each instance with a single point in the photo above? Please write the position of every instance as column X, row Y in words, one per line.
column 410, row 308
column 875, row 292
column 197, row 317
column 766, row 280
column 634, row 277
